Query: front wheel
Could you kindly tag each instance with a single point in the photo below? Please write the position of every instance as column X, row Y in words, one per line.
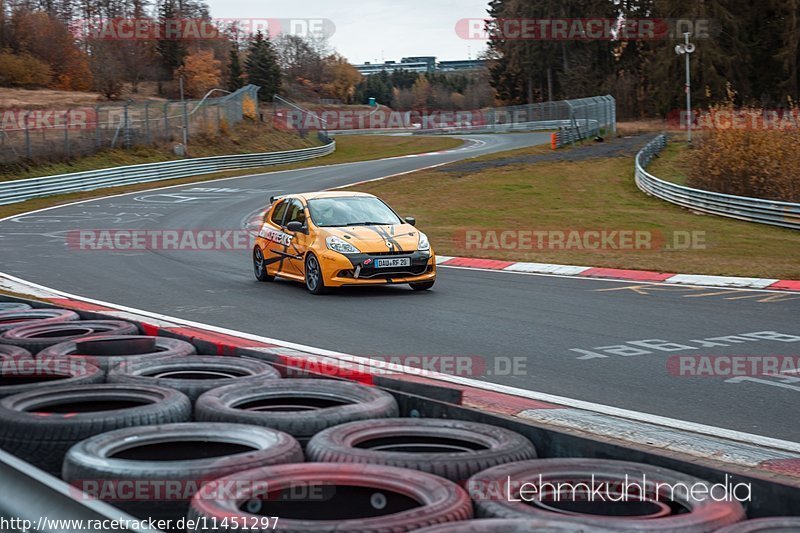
column 260, row 266
column 314, row 280
column 423, row 286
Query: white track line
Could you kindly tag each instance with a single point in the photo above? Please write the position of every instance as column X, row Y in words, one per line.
column 702, row 429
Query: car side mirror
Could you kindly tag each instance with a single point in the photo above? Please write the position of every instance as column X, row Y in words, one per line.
column 411, row 220
column 295, row 226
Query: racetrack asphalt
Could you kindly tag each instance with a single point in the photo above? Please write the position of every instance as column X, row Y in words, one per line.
column 585, row 339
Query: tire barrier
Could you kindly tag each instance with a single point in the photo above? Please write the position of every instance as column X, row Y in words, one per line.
column 36, row 337
column 194, row 375
column 335, row 497
column 453, row 449
column 9, row 351
column 139, row 434
column 108, row 351
column 39, row 426
column 13, row 306
column 14, row 319
column 496, row 493
column 778, row 524
column 185, row 455
column 498, row 525
column 23, row 373
column 300, row 407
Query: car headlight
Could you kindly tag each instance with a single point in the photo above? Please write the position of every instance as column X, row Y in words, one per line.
column 338, row 245
column 423, row 243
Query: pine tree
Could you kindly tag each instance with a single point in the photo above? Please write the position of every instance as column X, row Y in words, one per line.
column 262, row 67
column 171, row 49
column 236, row 80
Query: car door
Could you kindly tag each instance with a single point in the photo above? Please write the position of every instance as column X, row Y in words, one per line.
column 296, row 212
column 272, row 232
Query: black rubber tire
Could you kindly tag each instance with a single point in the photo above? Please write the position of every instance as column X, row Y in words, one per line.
column 166, row 372
column 37, row 337
column 777, row 524
column 314, row 283
column 94, row 466
column 259, row 268
column 6, row 307
column 351, row 402
column 24, row 373
column 108, row 351
column 43, row 438
column 498, row 525
column 344, row 443
column 14, row 319
column 8, row 351
column 700, row 516
column 422, row 286
column 439, row 500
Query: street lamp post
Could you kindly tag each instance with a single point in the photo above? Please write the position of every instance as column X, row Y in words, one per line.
column 686, row 50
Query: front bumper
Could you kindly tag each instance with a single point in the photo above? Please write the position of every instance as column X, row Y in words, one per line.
column 358, row 269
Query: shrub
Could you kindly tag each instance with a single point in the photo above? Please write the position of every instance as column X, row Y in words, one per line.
column 23, row 70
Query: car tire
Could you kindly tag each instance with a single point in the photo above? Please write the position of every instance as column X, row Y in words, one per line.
column 259, row 265
column 777, row 524
column 499, row 525
column 699, row 515
column 24, row 373
column 186, row 455
column 194, row 375
column 108, row 351
column 423, row 285
column 8, row 351
column 42, row 437
column 15, row 319
column 36, row 337
column 308, row 499
column 300, row 407
column 456, row 449
column 6, row 307
column 315, row 281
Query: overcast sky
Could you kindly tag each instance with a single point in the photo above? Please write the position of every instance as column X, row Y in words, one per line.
column 372, row 30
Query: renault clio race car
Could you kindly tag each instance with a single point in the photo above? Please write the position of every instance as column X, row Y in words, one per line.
column 334, row 239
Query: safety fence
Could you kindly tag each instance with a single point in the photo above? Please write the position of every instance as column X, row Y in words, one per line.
column 77, row 131
column 771, row 212
column 21, row 190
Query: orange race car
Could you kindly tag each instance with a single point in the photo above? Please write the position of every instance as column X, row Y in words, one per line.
column 333, row 239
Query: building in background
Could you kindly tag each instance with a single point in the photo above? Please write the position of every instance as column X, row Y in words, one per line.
column 420, row 64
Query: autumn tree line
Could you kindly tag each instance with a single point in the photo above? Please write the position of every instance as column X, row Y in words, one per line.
column 66, row 44
column 753, row 48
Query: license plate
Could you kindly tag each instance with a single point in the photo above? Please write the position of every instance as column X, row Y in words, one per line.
column 393, row 263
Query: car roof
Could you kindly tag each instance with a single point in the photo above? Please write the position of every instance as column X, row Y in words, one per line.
column 330, row 194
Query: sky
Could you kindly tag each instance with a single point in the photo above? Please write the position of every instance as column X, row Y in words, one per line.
column 374, row 30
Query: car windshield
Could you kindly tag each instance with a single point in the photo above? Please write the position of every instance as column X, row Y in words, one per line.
column 351, row 211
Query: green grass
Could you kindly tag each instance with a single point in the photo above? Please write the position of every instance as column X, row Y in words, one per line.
column 597, row 194
column 673, row 163
column 348, row 149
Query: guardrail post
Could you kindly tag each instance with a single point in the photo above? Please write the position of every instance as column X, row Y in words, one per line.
column 66, row 133
column 28, row 152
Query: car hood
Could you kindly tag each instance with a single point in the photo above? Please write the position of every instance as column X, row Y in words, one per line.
column 374, row 239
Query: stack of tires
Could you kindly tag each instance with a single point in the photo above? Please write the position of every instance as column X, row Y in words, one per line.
column 227, row 443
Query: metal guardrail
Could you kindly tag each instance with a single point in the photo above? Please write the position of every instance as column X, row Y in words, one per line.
column 20, row 190
column 784, row 214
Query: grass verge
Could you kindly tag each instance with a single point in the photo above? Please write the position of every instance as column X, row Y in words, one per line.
column 590, row 194
column 672, row 164
column 348, row 149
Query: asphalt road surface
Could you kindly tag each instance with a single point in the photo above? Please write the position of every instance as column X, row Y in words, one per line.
column 579, row 338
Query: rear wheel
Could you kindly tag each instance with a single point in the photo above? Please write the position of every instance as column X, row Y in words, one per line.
column 423, row 286
column 260, row 266
column 314, row 280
